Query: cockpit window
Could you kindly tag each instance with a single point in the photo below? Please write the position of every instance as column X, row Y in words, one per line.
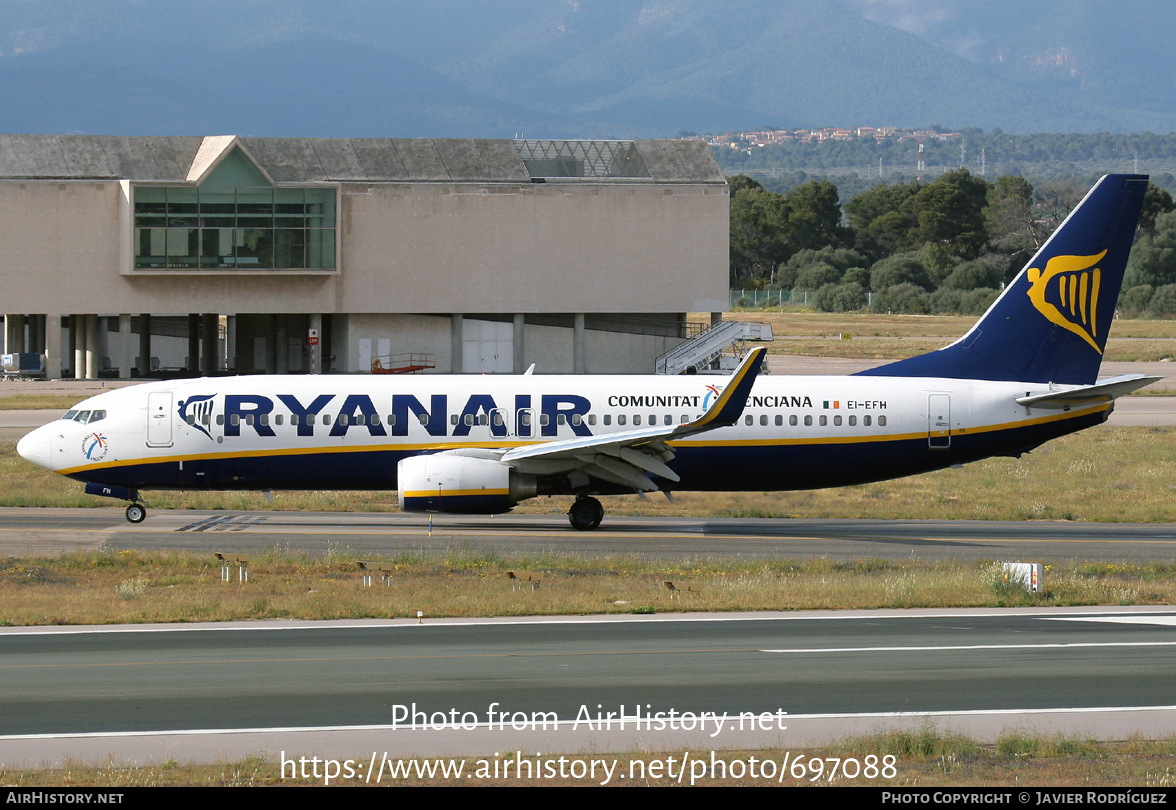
column 96, row 416
column 69, row 415
column 82, row 416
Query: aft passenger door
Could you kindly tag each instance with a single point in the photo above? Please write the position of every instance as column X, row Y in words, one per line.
column 939, row 421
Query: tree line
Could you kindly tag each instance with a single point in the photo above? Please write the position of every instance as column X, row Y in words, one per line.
column 947, row 246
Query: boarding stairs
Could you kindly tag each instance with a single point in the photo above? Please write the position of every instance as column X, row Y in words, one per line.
column 408, row 363
column 704, row 352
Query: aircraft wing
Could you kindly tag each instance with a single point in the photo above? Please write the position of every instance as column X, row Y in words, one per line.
column 626, row 458
column 1104, row 391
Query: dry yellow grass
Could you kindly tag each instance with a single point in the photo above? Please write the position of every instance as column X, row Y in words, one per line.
column 922, row 758
column 136, row 587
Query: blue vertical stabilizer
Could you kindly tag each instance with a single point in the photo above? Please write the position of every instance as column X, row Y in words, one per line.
column 1051, row 323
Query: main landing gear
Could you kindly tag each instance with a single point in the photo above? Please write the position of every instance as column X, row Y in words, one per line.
column 585, row 514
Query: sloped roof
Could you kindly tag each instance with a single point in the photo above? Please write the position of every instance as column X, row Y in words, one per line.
column 312, row 160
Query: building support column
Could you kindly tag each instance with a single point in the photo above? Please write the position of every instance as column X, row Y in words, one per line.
column 193, row 364
column 579, row 351
column 13, row 334
column 92, row 348
column 282, row 344
column 520, row 349
column 77, row 338
column 54, row 360
column 209, row 332
column 144, row 345
column 36, row 339
column 230, row 343
column 316, row 352
column 125, row 352
column 456, row 344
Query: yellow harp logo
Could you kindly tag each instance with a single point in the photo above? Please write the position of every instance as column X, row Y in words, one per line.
column 1071, row 301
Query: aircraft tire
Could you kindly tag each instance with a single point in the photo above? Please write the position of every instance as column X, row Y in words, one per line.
column 136, row 513
column 585, row 514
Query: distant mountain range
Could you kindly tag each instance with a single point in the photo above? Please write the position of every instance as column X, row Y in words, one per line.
column 582, row 68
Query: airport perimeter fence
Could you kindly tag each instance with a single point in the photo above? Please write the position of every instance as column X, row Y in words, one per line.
column 768, row 298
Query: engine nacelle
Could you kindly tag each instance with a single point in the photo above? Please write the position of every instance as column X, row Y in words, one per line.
column 446, row 482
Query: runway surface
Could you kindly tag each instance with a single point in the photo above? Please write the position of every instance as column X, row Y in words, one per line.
column 28, row 531
column 347, row 689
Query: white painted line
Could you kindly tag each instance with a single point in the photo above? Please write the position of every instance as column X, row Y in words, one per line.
column 1164, row 621
column 569, row 724
column 957, row 647
column 1164, row 611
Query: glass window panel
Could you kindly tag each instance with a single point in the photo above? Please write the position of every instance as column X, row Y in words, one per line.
column 320, row 248
column 320, row 207
column 289, row 248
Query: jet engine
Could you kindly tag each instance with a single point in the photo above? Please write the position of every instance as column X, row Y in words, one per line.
column 449, row 482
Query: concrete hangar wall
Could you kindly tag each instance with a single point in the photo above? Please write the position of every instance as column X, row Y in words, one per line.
column 218, row 254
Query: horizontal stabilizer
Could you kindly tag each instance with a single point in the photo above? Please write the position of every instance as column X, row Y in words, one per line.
column 1104, row 391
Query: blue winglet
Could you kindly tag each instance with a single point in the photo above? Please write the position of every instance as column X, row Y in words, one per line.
column 730, row 404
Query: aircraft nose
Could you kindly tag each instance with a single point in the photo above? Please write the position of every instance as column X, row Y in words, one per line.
column 35, row 447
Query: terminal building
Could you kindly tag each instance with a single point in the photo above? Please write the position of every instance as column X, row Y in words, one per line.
column 156, row 256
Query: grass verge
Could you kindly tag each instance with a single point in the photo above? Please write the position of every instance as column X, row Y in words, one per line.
column 922, row 757
column 101, row 587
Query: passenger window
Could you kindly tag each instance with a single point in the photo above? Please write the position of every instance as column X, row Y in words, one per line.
column 608, row 419
column 636, row 419
column 452, row 419
column 561, row 419
column 527, row 419
column 749, row 419
column 792, row 420
column 424, row 420
column 852, row 421
column 620, row 419
column 391, row 419
column 278, row 419
column 763, row 420
column 837, row 420
column 326, row 419
column 808, row 420
column 263, row 418
column 190, row 419
column 881, row 421
column 293, row 419
column 544, row 420
column 497, row 419
column 220, row 418
column 866, row 421
column 235, row 420
column 779, row 420
column 591, row 419
column 685, row 419
column 249, row 419
column 653, row 419
column 483, row 420
column 469, row 420
column 824, row 420
column 577, row 420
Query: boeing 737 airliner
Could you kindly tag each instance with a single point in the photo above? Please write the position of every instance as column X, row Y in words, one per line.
column 1024, row 374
